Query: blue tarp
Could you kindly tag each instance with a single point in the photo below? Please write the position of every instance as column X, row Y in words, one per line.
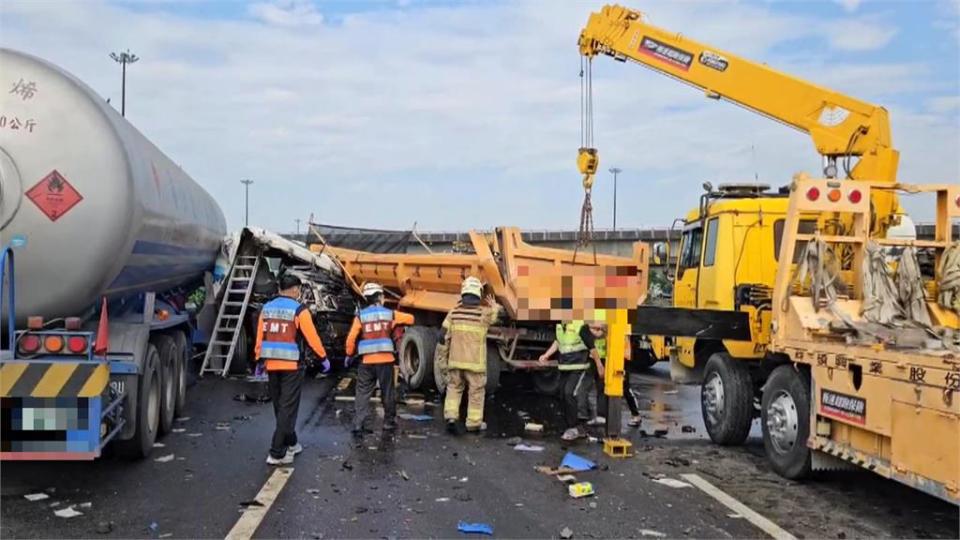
column 577, row 463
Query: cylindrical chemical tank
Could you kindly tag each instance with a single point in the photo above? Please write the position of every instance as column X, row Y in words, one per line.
column 96, row 208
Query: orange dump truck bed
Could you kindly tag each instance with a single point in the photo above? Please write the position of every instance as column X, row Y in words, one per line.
column 523, row 278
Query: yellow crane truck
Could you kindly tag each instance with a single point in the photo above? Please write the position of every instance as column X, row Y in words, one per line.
column 719, row 330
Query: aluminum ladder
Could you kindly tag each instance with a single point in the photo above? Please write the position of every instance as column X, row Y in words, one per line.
column 233, row 308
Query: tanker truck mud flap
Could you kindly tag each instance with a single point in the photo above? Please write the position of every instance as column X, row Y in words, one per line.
column 57, row 409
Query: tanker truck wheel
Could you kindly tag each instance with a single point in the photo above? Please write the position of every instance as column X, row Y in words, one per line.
column 417, row 349
column 148, row 409
column 726, row 400
column 169, row 353
column 785, row 418
column 182, row 370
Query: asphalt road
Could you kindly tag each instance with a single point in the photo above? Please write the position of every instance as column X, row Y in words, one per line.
column 421, row 481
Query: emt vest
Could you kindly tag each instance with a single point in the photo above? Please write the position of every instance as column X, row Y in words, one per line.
column 468, row 338
column 573, row 351
column 376, row 323
column 280, row 347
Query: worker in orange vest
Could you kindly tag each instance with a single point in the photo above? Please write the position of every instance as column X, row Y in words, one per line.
column 370, row 337
column 283, row 322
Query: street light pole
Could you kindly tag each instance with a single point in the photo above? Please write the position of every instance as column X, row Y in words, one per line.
column 123, row 59
column 246, row 201
column 298, row 220
column 615, row 171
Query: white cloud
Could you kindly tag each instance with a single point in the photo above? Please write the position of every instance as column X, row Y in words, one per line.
column 849, row 5
column 287, row 13
column 455, row 117
column 859, row 35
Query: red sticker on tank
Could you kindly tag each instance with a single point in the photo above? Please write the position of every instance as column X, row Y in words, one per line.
column 54, row 196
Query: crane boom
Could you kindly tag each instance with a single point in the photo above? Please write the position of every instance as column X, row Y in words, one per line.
column 841, row 127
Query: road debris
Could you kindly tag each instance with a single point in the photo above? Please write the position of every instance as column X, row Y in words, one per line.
column 159, row 445
column 104, row 527
column 442, row 499
column 68, row 512
column 672, row 482
column 533, row 427
column 660, row 433
column 566, row 533
column 223, row 426
column 550, row 471
column 566, row 478
column 688, row 429
column 404, row 475
column 194, row 434
column 416, row 417
column 165, row 459
column 36, row 496
column 177, row 430
column 652, row 533
column 248, row 504
column 416, row 436
column 528, row 448
column 575, row 463
column 85, row 505
column 513, row 441
column 475, row 528
column 582, row 489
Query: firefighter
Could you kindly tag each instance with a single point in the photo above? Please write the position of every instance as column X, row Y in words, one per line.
column 370, row 338
column 465, row 340
column 284, row 324
column 577, row 350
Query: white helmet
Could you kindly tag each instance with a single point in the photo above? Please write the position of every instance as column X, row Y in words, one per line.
column 371, row 288
column 472, row 285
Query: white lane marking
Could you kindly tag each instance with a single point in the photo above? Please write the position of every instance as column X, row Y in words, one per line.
column 253, row 515
column 745, row 511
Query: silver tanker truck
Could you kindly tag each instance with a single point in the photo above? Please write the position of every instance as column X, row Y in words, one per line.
column 103, row 237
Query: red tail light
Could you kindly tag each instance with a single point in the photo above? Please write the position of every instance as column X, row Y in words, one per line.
column 29, row 344
column 855, row 196
column 957, row 201
column 53, row 344
column 813, row 194
column 77, row 344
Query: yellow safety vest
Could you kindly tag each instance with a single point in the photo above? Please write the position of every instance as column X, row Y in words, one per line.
column 573, row 351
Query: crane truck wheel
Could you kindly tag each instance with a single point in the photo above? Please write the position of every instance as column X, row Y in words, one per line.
column 148, row 409
column 493, row 367
column 182, row 371
column 417, row 349
column 547, row 381
column 726, row 400
column 167, row 348
column 785, row 418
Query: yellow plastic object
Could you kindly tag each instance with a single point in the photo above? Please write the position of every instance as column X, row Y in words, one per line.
column 581, row 489
column 617, row 448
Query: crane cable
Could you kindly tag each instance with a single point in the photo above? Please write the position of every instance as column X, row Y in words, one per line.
column 585, row 233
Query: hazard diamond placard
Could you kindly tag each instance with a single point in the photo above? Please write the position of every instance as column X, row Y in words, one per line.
column 54, row 196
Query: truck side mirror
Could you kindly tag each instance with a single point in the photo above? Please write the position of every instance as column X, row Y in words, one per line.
column 661, row 253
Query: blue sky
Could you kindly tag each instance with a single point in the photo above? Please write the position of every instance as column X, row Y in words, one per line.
column 465, row 114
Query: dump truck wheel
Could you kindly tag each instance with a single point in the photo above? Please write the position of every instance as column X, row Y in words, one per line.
column 547, row 381
column 167, row 348
column 493, row 367
column 416, row 356
column 785, row 416
column 148, row 409
column 726, row 400
column 183, row 368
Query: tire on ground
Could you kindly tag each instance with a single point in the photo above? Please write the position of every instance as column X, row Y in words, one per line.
column 417, row 349
column 728, row 414
column 787, row 389
column 547, row 381
column 169, row 354
column 148, row 409
column 493, row 367
column 184, row 371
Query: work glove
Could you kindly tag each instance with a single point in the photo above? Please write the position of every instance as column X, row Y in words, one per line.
column 347, row 361
column 325, row 364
